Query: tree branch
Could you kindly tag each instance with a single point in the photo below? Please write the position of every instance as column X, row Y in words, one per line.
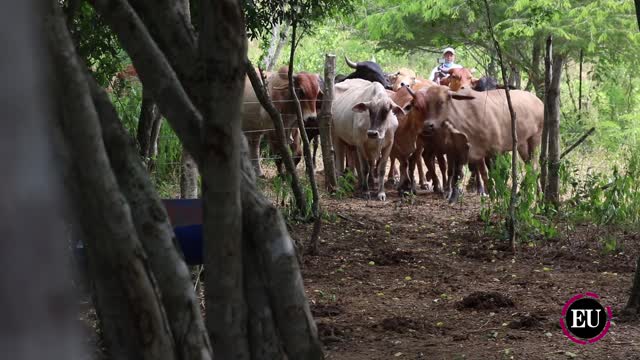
column 155, row 72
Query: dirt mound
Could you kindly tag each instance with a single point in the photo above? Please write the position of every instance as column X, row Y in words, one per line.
column 325, row 310
column 331, row 333
column 485, row 301
column 401, row 324
column 527, row 321
column 387, row 257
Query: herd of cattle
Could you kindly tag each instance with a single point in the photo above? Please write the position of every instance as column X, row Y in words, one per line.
column 379, row 117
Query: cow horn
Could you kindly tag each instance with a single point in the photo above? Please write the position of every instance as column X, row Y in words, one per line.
column 413, row 94
column 350, row 63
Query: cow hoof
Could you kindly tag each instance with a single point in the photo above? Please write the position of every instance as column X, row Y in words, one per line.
column 382, row 196
column 454, row 196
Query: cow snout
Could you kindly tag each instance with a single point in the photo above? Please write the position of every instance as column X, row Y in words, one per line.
column 372, row 134
column 428, row 128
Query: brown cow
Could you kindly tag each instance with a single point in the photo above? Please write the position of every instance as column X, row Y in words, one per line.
column 255, row 119
column 483, row 122
column 407, row 143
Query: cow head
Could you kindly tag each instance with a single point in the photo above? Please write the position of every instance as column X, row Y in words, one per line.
column 485, row 83
column 403, row 77
column 435, row 107
column 381, row 112
column 307, row 88
column 367, row 70
column 459, row 78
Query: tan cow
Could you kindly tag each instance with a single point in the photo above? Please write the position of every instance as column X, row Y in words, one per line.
column 483, row 119
column 256, row 121
column 364, row 117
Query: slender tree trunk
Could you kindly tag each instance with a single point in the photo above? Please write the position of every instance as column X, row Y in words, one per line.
column 553, row 178
column 315, row 206
column 280, row 137
column 580, row 86
column 133, row 318
column 536, row 76
column 148, row 131
column 544, row 146
column 279, row 34
column 511, row 222
column 567, row 79
column 38, row 319
column 326, row 142
column 637, row 4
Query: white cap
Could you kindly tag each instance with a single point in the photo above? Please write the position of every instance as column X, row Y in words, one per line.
column 448, row 50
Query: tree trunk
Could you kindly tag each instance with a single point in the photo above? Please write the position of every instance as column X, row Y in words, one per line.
column 536, row 77
column 226, row 310
column 279, row 34
column 553, row 178
column 156, row 234
column 544, row 145
column 326, row 142
column 132, row 316
column 38, row 316
column 315, row 206
column 148, row 129
column 633, row 304
column 188, row 176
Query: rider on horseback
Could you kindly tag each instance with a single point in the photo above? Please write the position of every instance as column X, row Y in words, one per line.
column 442, row 71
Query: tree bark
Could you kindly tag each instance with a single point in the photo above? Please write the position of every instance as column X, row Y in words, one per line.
column 280, row 137
column 148, row 129
column 544, row 145
column 133, row 319
column 326, row 142
column 535, row 77
column 315, row 206
column 38, row 316
column 279, row 34
column 266, row 232
column 553, row 178
column 188, row 176
column 224, row 63
column 156, row 234
column 633, row 304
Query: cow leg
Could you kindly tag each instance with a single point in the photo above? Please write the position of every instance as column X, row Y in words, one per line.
column 393, row 172
column 364, row 173
column 473, row 178
column 421, row 176
column 429, row 160
column 482, row 169
column 382, row 164
column 404, row 183
column 273, row 145
column 295, row 144
column 442, row 164
column 457, row 176
column 340, row 151
column 254, row 152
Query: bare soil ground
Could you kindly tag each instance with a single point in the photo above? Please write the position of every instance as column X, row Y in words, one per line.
column 423, row 281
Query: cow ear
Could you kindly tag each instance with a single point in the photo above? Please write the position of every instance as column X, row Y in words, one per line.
column 474, row 81
column 450, row 71
column 360, row 107
column 397, row 110
column 458, row 96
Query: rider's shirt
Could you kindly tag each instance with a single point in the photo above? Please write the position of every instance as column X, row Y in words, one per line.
column 442, row 68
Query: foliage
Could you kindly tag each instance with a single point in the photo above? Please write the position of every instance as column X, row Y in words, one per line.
column 532, row 216
column 127, row 100
column 262, row 15
column 346, row 185
column 280, row 188
column 95, row 43
column 613, row 199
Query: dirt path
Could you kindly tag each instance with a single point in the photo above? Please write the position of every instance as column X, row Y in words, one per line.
column 388, row 283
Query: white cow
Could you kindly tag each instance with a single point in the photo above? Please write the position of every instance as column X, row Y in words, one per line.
column 364, row 117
